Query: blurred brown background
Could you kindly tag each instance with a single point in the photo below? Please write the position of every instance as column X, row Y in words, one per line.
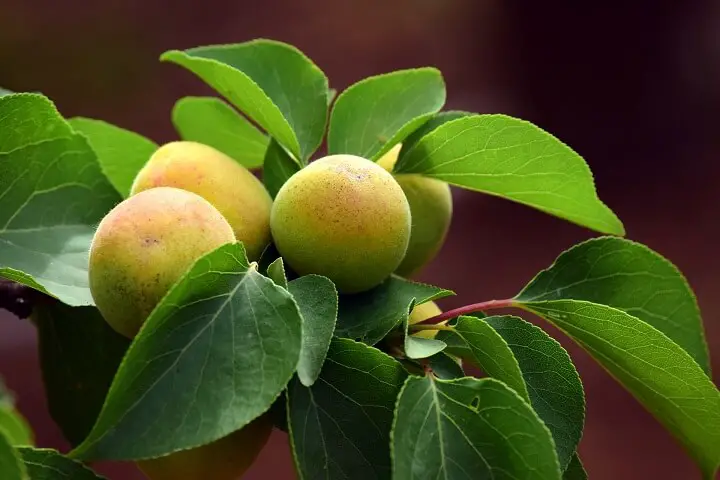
column 635, row 88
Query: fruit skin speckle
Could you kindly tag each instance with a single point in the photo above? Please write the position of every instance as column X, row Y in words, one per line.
column 144, row 245
column 343, row 217
column 230, row 187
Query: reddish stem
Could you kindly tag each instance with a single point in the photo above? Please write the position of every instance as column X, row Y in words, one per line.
column 475, row 307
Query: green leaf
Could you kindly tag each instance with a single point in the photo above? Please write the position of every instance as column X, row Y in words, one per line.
column 5, row 91
column 213, row 355
column 373, row 115
column 53, row 193
column 478, row 342
column 213, row 122
column 11, row 467
column 79, row 355
column 47, row 464
column 468, row 428
column 271, row 82
column 553, row 384
column 15, row 427
column 435, row 121
column 418, row 347
column 317, row 300
column 445, row 367
column 121, row 153
column 513, row 159
column 533, row 364
column 27, row 118
column 278, row 168
column 630, row 277
column 276, row 273
column 340, row 427
column 657, row 372
column 369, row 316
column 575, row 470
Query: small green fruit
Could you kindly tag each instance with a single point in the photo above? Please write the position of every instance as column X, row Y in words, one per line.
column 343, row 217
column 144, row 245
column 230, row 187
column 423, row 312
column 225, row 459
column 431, row 208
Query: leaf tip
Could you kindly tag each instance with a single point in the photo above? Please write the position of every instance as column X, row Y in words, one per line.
column 171, row 55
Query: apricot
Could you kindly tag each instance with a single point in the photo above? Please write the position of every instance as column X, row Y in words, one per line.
column 343, row 217
column 144, row 245
column 423, row 312
column 225, row 459
column 230, row 187
column 431, row 209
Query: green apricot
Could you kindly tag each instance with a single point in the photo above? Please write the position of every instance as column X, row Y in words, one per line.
column 225, row 459
column 144, row 245
column 230, row 187
column 423, row 312
column 343, row 217
column 431, row 208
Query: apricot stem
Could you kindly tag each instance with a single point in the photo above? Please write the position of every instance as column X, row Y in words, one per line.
column 475, row 307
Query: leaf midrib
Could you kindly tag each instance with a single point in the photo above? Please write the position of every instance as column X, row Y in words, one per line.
column 230, row 296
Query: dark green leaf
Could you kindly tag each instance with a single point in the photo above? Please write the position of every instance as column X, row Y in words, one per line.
column 121, row 153
column 27, row 118
column 476, row 341
column 11, row 466
column 468, row 429
column 575, row 470
column 15, row 427
column 435, row 121
column 514, row 159
column 658, row 372
column 213, row 355
column 630, row 277
column 46, row 464
column 276, row 273
column 553, row 384
column 271, row 82
column 533, row 364
column 446, row 367
column 340, row 427
column 317, row 300
column 79, row 355
column 369, row 316
column 278, row 168
column 373, row 115
column 213, row 122
column 53, row 193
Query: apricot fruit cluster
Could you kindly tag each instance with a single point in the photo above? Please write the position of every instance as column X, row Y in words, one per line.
column 342, row 216
column 188, row 200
